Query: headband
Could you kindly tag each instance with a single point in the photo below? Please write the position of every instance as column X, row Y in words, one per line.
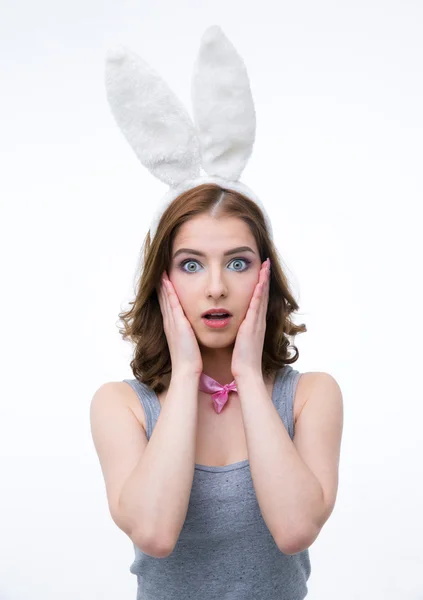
column 172, row 146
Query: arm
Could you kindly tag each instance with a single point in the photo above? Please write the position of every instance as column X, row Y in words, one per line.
column 292, row 498
column 156, row 495
column 148, row 483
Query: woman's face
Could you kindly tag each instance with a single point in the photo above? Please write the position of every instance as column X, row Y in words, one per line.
column 214, row 279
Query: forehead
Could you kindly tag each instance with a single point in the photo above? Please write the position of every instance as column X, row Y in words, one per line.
column 210, row 233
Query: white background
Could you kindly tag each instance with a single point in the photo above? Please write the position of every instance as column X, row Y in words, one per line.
column 337, row 162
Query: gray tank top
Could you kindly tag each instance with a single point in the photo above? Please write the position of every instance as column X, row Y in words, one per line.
column 225, row 550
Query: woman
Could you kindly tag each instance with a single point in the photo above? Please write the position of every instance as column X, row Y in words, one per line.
column 220, row 460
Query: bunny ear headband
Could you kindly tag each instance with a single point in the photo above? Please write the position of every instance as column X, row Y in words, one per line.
column 163, row 135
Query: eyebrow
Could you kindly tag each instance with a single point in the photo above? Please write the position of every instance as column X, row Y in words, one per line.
column 227, row 253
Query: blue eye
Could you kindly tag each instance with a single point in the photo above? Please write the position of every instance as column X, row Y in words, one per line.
column 192, row 260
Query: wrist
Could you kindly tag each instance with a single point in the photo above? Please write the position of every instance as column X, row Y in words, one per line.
column 186, row 375
column 248, row 378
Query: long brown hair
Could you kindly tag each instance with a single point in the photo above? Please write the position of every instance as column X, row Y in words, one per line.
column 143, row 322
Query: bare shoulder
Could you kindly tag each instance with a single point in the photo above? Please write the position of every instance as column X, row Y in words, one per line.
column 132, row 400
column 309, row 381
column 126, row 395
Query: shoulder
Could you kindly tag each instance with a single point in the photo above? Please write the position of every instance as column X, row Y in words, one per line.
column 311, row 378
column 122, row 393
column 311, row 383
column 112, row 391
column 117, row 389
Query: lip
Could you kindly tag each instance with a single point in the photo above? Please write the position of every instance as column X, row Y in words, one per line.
column 212, row 311
column 217, row 324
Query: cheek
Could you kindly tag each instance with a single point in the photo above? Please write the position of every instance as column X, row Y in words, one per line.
column 243, row 297
column 249, row 289
column 182, row 292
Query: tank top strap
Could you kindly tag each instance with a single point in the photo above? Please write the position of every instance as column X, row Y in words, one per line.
column 284, row 394
column 149, row 402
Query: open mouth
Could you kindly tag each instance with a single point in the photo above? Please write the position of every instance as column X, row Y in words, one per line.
column 217, row 321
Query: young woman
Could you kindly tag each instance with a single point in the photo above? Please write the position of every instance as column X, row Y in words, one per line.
column 220, row 460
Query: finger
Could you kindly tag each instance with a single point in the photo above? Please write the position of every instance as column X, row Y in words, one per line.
column 265, row 271
column 261, row 280
column 265, row 297
column 261, row 272
column 173, row 299
column 167, row 293
column 265, row 284
column 171, row 294
column 262, row 293
column 255, row 303
column 164, row 302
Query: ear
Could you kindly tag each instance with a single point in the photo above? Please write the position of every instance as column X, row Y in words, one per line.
column 223, row 106
column 152, row 118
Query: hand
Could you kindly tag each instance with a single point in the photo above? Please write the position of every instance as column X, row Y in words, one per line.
column 248, row 348
column 183, row 347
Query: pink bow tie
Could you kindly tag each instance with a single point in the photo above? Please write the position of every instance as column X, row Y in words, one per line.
column 219, row 392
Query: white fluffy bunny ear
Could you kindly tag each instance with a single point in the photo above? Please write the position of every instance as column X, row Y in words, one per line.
column 223, row 106
column 152, row 118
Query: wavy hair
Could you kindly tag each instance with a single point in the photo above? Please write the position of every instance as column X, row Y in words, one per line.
column 143, row 322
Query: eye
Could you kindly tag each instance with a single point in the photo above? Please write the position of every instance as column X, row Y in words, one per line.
column 234, row 260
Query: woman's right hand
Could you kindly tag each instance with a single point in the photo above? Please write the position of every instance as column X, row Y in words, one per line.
column 183, row 347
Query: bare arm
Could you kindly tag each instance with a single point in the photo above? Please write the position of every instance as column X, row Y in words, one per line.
column 156, row 494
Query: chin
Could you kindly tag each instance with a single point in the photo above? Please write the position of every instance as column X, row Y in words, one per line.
column 216, row 346
column 216, row 339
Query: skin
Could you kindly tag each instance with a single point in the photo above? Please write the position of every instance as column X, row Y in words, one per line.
column 215, row 281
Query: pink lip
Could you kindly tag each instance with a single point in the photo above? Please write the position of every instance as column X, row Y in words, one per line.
column 216, row 310
column 217, row 323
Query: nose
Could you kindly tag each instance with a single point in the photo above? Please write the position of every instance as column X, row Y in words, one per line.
column 216, row 285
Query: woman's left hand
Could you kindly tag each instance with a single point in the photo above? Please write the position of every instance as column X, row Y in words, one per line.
column 248, row 350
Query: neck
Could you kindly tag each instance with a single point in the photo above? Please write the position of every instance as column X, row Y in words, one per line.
column 217, row 364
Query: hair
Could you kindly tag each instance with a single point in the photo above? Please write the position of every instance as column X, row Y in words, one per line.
column 143, row 322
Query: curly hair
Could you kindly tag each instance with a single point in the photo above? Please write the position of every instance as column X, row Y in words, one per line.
column 143, row 322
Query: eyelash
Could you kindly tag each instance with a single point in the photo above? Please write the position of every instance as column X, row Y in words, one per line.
column 188, row 260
